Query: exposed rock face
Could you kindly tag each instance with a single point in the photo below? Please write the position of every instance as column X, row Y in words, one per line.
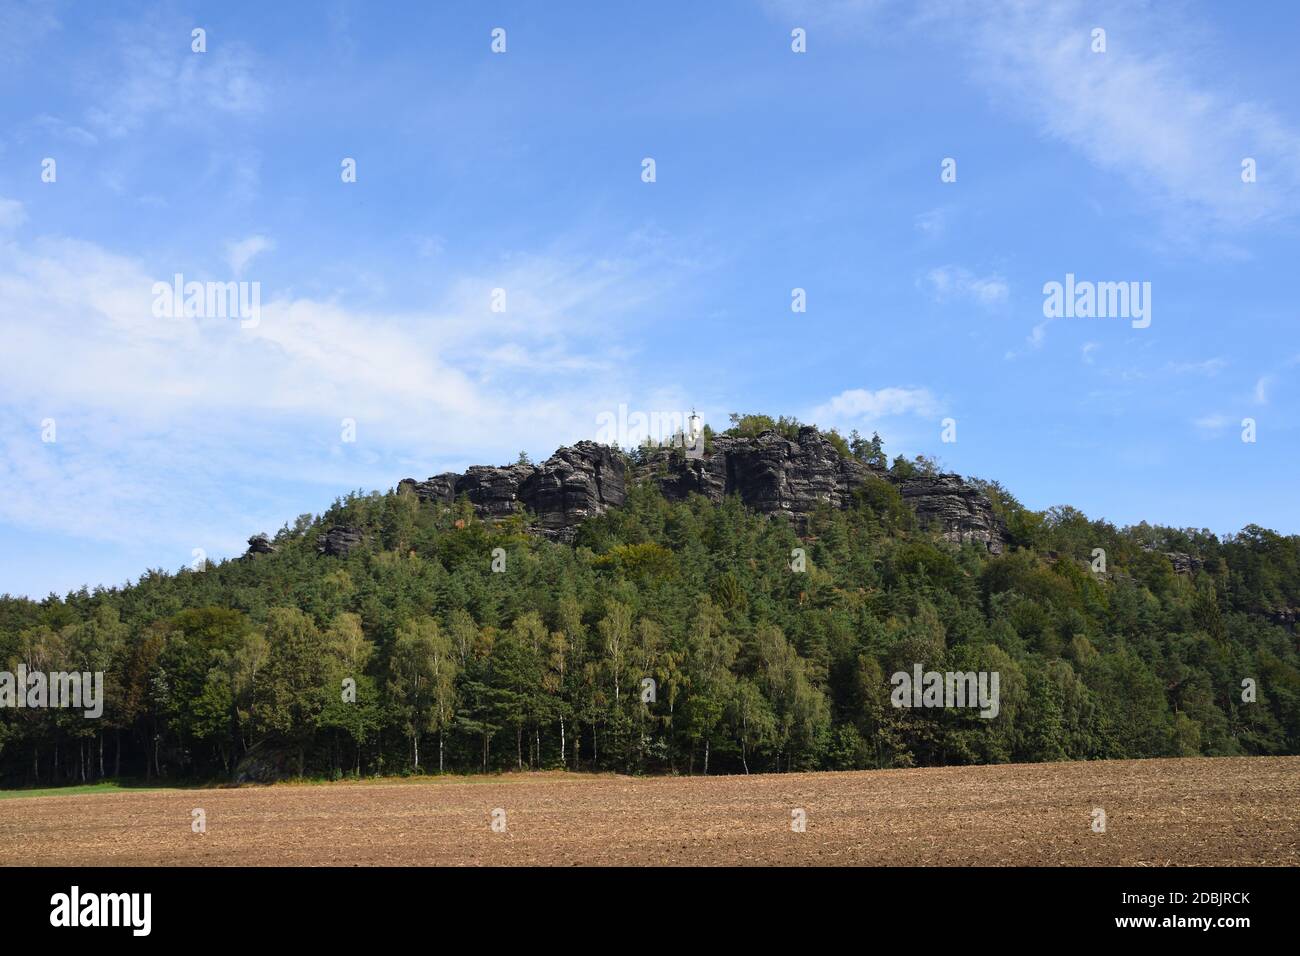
column 775, row 475
column 959, row 511
column 574, row 484
column 1184, row 563
column 570, row 486
column 770, row 473
column 259, row 544
column 494, row 492
column 438, row 488
column 338, row 541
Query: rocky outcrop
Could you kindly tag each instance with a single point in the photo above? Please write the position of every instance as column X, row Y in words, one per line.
column 955, row 509
column 776, row 475
column 574, row 484
column 1184, row 563
column 259, row 544
column 338, row 541
column 569, row 487
column 770, row 473
column 439, row 488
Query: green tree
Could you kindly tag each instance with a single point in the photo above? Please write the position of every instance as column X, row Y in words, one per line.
column 421, row 682
column 289, row 699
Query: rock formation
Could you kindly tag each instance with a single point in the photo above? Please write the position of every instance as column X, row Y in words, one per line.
column 338, row 541
column 1184, row 563
column 569, row 487
column 259, row 544
column 956, row 509
column 772, row 474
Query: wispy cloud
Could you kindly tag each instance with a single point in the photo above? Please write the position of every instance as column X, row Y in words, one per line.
column 157, row 79
column 51, row 127
column 1034, row 341
column 159, row 410
column 932, row 223
column 12, row 215
column 1144, row 109
column 864, row 405
column 1213, row 424
column 1208, row 367
column 240, row 254
column 946, row 283
column 1153, row 108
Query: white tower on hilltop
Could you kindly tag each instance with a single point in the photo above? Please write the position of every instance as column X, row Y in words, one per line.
column 693, row 440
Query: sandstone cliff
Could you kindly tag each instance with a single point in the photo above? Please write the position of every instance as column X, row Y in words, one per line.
column 770, row 473
column 570, row 486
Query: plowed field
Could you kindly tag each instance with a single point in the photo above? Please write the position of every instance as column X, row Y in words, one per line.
column 1222, row 811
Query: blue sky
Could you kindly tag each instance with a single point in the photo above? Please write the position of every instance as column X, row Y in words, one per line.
column 522, row 171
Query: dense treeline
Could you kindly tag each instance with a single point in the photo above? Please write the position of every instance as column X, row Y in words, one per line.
column 452, row 665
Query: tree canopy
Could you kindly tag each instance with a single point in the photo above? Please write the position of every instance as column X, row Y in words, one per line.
column 668, row 637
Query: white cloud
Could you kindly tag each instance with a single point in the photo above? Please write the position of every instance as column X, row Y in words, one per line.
column 240, row 254
column 1261, row 389
column 954, row 282
column 53, row 127
column 1139, row 109
column 12, row 214
column 1208, row 367
column 1213, row 424
column 156, row 78
column 859, row 404
column 932, row 223
column 1034, row 341
column 160, row 420
column 1088, row 349
column 1155, row 108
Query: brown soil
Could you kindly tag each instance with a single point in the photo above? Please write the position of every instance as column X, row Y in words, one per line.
column 1225, row 811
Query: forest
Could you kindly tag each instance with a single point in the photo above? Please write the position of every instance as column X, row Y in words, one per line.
column 666, row 638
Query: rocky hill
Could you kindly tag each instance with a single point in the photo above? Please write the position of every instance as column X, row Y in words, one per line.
column 772, row 474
